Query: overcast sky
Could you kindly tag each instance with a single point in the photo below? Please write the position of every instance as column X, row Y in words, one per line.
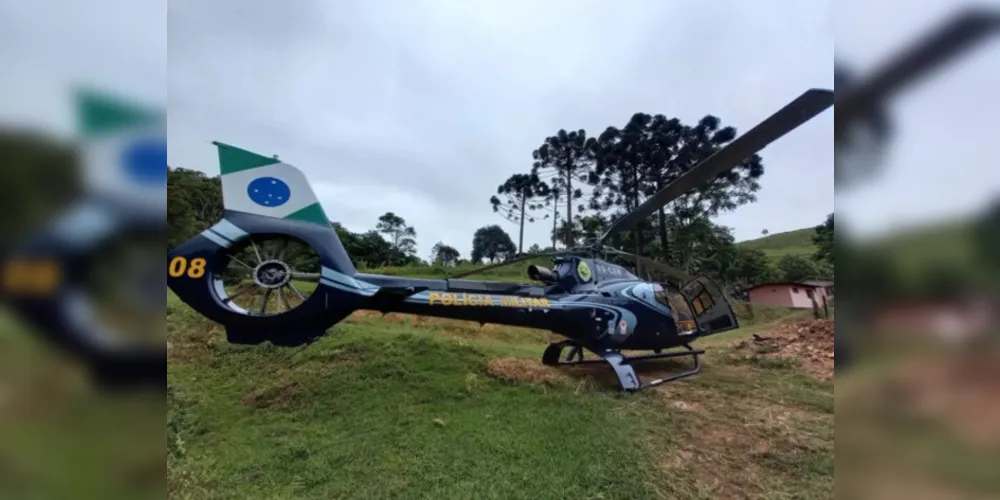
column 51, row 46
column 424, row 107
column 942, row 162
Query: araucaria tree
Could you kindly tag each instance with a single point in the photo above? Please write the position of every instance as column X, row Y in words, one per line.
column 517, row 198
column 650, row 152
column 569, row 156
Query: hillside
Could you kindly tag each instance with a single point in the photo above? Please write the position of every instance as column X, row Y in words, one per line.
column 797, row 242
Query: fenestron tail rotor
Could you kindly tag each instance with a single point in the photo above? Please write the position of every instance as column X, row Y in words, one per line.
column 268, row 275
column 804, row 108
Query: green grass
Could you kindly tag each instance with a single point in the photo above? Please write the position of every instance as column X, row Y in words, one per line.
column 797, row 242
column 407, row 407
column 58, row 439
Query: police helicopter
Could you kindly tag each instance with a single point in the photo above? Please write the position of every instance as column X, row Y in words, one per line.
column 247, row 271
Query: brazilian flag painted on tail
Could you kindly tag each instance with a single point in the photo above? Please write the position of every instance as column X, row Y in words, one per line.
column 264, row 185
column 124, row 147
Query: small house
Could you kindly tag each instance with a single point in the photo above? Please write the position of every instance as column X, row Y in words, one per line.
column 798, row 294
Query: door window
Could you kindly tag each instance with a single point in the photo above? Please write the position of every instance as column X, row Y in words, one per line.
column 675, row 301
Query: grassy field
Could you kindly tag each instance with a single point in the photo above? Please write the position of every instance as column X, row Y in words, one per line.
column 407, row 407
column 60, row 439
column 797, row 242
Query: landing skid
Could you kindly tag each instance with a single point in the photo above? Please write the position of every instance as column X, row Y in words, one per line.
column 621, row 364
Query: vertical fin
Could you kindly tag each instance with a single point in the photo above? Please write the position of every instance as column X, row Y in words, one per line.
column 266, row 186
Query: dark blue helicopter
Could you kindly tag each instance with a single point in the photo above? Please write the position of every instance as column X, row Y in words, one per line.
column 246, row 272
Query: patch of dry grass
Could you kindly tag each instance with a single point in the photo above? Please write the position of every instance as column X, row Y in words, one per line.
column 526, row 371
column 740, row 447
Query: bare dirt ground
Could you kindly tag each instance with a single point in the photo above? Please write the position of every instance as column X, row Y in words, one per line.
column 808, row 343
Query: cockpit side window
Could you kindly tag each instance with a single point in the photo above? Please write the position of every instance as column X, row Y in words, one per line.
column 675, row 301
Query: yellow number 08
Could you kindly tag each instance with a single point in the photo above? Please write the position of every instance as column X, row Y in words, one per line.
column 30, row 277
column 179, row 266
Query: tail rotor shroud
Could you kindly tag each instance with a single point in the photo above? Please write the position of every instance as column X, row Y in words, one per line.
column 257, row 274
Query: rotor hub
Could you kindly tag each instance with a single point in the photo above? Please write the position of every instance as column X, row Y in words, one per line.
column 272, row 274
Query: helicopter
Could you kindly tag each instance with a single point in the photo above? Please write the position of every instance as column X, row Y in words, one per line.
column 232, row 272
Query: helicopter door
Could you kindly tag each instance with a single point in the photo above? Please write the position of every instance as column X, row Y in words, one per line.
column 711, row 309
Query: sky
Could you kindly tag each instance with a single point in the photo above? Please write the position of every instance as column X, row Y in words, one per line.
column 423, row 108
column 940, row 163
column 51, row 46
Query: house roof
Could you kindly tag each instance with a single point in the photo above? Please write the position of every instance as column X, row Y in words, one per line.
column 817, row 282
column 803, row 283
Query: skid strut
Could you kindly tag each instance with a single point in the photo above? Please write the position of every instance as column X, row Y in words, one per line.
column 621, row 364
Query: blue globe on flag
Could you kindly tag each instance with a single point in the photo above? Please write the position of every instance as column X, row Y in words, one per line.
column 145, row 161
column 268, row 191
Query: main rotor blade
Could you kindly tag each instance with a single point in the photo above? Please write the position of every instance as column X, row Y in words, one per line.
column 788, row 118
column 506, row 263
column 652, row 264
column 941, row 46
